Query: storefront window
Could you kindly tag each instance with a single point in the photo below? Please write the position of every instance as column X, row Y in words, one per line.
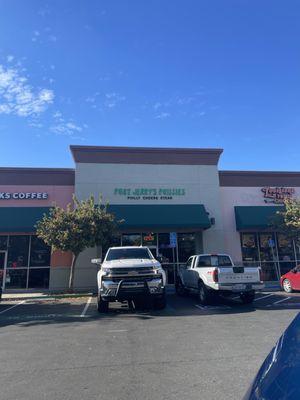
column 297, row 248
column 38, row 278
column 18, row 251
column 115, row 241
column 268, row 256
column 286, row 253
column 149, row 239
column 186, row 246
column 131, row 239
column 249, row 247
column 165, row 250
column 40, row 253
column 16, row 278
column 3, row 242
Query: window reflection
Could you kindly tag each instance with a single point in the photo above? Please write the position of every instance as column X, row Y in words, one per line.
column 186, row 246
column 3, row 242
column 40, row 253
column 131, row 239
column 18, row 251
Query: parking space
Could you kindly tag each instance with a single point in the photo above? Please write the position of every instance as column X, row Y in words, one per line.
column 63, row 348
column 86, row 307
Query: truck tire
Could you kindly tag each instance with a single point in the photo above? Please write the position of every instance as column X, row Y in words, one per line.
column 248, row 297
column 205, row 295
column 102, row 305
column 160, row 302
column 180, row 289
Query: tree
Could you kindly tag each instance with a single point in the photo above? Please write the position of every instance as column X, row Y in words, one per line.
column 288, row 220
column 76, row 228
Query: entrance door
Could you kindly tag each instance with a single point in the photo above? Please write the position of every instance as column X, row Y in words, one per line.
column 2, row 268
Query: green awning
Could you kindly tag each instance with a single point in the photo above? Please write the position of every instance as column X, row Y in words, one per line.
column 255, row 217
column 164, row 216
column 20, row 219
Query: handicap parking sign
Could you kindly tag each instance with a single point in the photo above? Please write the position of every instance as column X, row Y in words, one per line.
column 173, row 239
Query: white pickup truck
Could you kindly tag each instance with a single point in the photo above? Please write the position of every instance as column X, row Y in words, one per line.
column 132, row 274
column 212, row 274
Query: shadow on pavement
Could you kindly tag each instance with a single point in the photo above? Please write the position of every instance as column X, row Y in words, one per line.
column 64, row 311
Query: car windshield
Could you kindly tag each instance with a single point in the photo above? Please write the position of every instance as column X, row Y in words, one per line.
column 124, row 254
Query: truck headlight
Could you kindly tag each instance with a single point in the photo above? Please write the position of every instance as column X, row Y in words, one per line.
column 107, row 271
column 156, row 270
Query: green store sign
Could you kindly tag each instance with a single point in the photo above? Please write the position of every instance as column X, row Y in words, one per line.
column 149, row 193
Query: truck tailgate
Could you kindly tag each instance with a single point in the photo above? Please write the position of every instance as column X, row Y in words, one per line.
column 233, row 275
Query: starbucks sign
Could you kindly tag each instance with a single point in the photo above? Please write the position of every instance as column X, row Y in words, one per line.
column 23, row 196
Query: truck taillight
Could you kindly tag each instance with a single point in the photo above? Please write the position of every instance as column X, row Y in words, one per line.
column 215, row 276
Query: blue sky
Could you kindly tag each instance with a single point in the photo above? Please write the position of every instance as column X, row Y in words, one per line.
column 176, row 73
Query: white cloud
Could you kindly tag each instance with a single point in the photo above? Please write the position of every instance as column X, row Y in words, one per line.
column 113, row 99
column 10, row 58
column 17, row 97
column 163, row 115
column 65, row 127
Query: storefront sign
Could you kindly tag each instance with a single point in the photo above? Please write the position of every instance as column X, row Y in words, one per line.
column 23, row 196
column 149, row 193
column 277, row 195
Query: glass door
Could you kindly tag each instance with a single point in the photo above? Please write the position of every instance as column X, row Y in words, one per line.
column 2, row 268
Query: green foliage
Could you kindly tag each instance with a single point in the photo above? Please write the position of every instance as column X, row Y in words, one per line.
column 288, row 221
column 77, row 228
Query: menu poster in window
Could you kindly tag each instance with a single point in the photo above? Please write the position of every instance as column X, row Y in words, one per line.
column 283, row 241
column 248, row 241
column 264, row 241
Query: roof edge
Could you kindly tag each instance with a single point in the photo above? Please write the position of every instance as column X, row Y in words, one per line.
column 145, row 155
column 259, row 178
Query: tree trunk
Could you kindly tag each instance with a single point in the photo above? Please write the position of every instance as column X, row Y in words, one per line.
column 72, row 270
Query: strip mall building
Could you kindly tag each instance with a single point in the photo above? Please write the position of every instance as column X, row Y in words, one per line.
column 175, row 201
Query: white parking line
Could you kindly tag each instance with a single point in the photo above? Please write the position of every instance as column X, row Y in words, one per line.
column 220, row 307
column 86, row 307
column 280, row 301
column 201, row 307
column 264, row 297
column 16, row 305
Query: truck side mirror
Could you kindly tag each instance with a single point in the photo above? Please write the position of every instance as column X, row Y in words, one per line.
column 96, row 261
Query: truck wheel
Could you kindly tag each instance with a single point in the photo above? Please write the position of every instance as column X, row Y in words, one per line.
column 102, row 305
column 160, row 302
column 248, row 297
column 205, row 296
column 180, row 289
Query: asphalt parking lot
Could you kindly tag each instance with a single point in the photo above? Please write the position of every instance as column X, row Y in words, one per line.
column 63, row 349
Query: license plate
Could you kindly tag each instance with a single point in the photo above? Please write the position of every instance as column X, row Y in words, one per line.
column 239, row 287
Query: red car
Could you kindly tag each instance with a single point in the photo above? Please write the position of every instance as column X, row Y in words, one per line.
column 291, row 280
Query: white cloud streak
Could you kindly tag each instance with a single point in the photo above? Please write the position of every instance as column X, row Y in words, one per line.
column 17, row 97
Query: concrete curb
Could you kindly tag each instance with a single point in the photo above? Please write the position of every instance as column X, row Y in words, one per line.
column 7, row 297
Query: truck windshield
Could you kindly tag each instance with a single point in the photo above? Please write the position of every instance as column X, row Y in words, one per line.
column 123, row 254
